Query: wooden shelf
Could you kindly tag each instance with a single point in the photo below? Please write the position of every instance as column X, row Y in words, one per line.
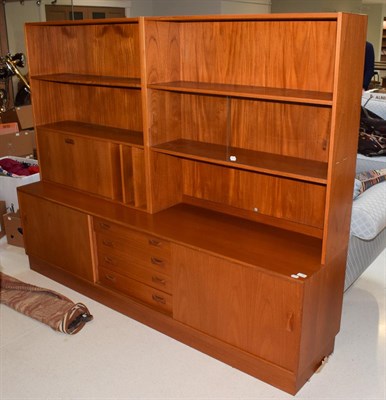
column 91, row 80
column 107, row 133
column 290, row 167
column 252, row 92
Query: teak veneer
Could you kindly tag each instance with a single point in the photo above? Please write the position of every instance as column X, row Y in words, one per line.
column 197, row 176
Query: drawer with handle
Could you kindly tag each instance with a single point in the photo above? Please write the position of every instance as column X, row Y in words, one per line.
column 153, row 297
column 129, row 251
column 130, row 268
column 142, row 240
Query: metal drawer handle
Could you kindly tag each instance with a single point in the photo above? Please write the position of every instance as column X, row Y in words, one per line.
column 157, row 279
column 110, row 277
column 69, row 141
column 107, row 243
column 155, row 242
column 103, row 225
column 158, row 299
column 157, row 261
column 108, row 260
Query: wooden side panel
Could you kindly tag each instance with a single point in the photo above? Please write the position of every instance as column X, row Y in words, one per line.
column 265, row 194
column 255, row 312
column 323, row 296
column 344, row 133
column 108, row 49
column 58, row 235
column 288, row 54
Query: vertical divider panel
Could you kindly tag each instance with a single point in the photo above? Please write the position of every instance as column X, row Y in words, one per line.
column 127, row 174
column 139, row 178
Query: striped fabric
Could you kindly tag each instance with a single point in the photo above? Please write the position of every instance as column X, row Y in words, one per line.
column 44, row 305
column 371, row 178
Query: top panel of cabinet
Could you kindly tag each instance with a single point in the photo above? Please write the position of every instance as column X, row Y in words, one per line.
column 108, row 49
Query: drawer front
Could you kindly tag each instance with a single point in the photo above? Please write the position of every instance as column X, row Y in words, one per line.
column 130, row 268
column 153, row 297
column 148, row 243
column 129, row 251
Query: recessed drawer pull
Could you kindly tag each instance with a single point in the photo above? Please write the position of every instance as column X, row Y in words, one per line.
column 110, row 277
column 155, row 242
column 157, row 279
column 107, row 243
column 69, row 141
column 157, row 261
column 103, row 225
column 108, row 260
column 158, row 299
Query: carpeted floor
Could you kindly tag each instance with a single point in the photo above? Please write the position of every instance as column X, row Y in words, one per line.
column 114, row 357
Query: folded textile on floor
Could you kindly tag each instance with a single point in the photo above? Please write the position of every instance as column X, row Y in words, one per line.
column 44, row 305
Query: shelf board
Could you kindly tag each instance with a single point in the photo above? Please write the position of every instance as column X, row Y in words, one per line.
column 272, row 249
column 252, row 92
column 274, row 164
column 92, row 80
column 100, row 132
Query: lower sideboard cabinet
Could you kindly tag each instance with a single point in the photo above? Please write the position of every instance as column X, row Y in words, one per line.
column 57, row 235
column 257, row 319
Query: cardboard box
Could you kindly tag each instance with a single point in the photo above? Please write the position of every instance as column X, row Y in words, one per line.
column 9, row 185
column 3, row 210
column 13, row 229
column 11, row 127
column 20, row 144
column 22, row 115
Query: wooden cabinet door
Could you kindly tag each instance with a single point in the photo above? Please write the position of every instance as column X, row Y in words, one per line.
column 85, row 164
column 57, row 235
column 252, row 310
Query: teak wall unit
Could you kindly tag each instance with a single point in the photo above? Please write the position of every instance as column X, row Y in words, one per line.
column 197, row 176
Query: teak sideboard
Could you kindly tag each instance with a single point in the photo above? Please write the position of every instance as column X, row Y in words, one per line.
column 197, row 176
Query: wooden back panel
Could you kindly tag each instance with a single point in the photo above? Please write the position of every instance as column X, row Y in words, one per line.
column 287, row 199
column 98, row 105
column 295, row 130
column 288, row 129
column 289, row 54
column 246, row 54
column 110, row 49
